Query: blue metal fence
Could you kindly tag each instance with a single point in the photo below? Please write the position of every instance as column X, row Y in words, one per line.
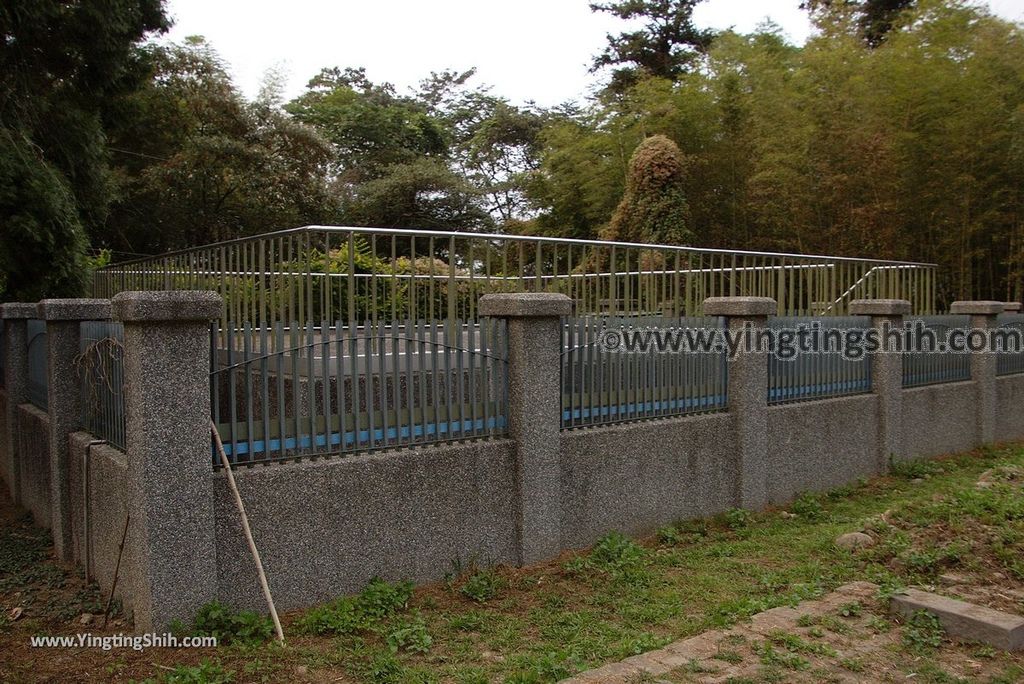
column 823, row 371
column 293, row 391
column 100, row 367
column 601, row 386
column 933, row 365
column 1011, row 361
column 38, row 380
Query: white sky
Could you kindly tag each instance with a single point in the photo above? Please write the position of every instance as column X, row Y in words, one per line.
column 525, row 49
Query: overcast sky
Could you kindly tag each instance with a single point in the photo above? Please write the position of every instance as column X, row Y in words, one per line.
column 526, row 49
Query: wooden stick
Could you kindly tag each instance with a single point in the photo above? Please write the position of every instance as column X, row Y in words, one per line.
column 248, row 534
column 117, row 569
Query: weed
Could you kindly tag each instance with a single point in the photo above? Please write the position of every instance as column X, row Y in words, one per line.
column 852, row 664
column 411, row 636
column 737, row 519
column 230, row 627
column 771, row 657
column 911, row 470
column 923, row 632
column 849, row 610
column 384, row 669
column 808, row 506
column 351, row 614
column 482, row 586
column 206, row 672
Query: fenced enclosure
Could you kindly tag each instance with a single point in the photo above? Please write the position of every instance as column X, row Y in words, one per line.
column 601, row 386
column 100, row 366
column 38, row 378
column 930, row 365
column 823, row 371
column 301, row 390
column 319, row 273
column 1011, row 361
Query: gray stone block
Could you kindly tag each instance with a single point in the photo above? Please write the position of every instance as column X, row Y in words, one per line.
column 18, row 310
column 740, row 306
column 1012, row 307
column 978, row 308
column 525, row 305
column 879, row 307
column 74, row 309
column 180, row 305
column 964, row 620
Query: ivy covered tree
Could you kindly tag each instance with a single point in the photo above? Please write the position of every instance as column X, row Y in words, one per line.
column 653, row 209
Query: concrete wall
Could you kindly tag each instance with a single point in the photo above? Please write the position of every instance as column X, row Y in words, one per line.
column 940, row 419
column 99, row 478
column 820, row 445
column 636, row 477
column 1010, row 407
column 327, row 527
column 6, row 467
column 34, row 453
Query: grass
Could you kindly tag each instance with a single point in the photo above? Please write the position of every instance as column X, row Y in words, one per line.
column 628, row 596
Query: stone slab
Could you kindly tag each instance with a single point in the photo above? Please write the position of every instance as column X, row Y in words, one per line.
column 181, row 305
column 879, row 307
column 16, row 310
column 525, row 305
column 740, row 306
column 74, row 309
column 979, row 308
column 964, row 620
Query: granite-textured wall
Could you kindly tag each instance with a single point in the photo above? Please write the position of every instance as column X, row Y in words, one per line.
column 34, row 453
column 940, row 419
column 101, row 478
column 815, row 446
column 325, row 528
column 637, row 477
column 1010, row 407
column 6, row 467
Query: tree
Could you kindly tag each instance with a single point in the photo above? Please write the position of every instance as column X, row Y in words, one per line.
column 65, row 67
column 653, row 210
column 197, row 163
column 667, row 46
column 875, row 18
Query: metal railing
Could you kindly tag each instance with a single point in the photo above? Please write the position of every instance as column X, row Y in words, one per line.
column 1011, row 362
column 818, row 373
column 931, row 366
column 329, row 273
column 100, row 367
column 601, row 387
column 38, row 361
column 284, row 392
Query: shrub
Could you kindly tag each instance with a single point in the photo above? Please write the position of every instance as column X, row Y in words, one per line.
column 229, row 627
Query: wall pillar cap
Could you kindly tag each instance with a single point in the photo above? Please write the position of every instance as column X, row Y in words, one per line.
column 740, row 306
column 525, row 305
column 18, row 311
column 880, row 307
column 980, row 308
column 175, row 305
column 1012, row 307
column 74, row 309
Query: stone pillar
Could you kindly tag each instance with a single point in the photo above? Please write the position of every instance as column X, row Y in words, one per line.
column 167, row 439
column 886, row 374
column 984, row 316
column 534, row 414
column 64, row 397
column 748, row 395
column 15, row 341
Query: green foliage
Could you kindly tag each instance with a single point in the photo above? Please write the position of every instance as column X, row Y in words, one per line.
column 230, row 627
column 207, row 672
column 737, row 518
column 350, row 614
column 482, row 586
column 410, row 635
column 808, row 506
column 64, row 70
column 653, row 210
column 923, row 632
